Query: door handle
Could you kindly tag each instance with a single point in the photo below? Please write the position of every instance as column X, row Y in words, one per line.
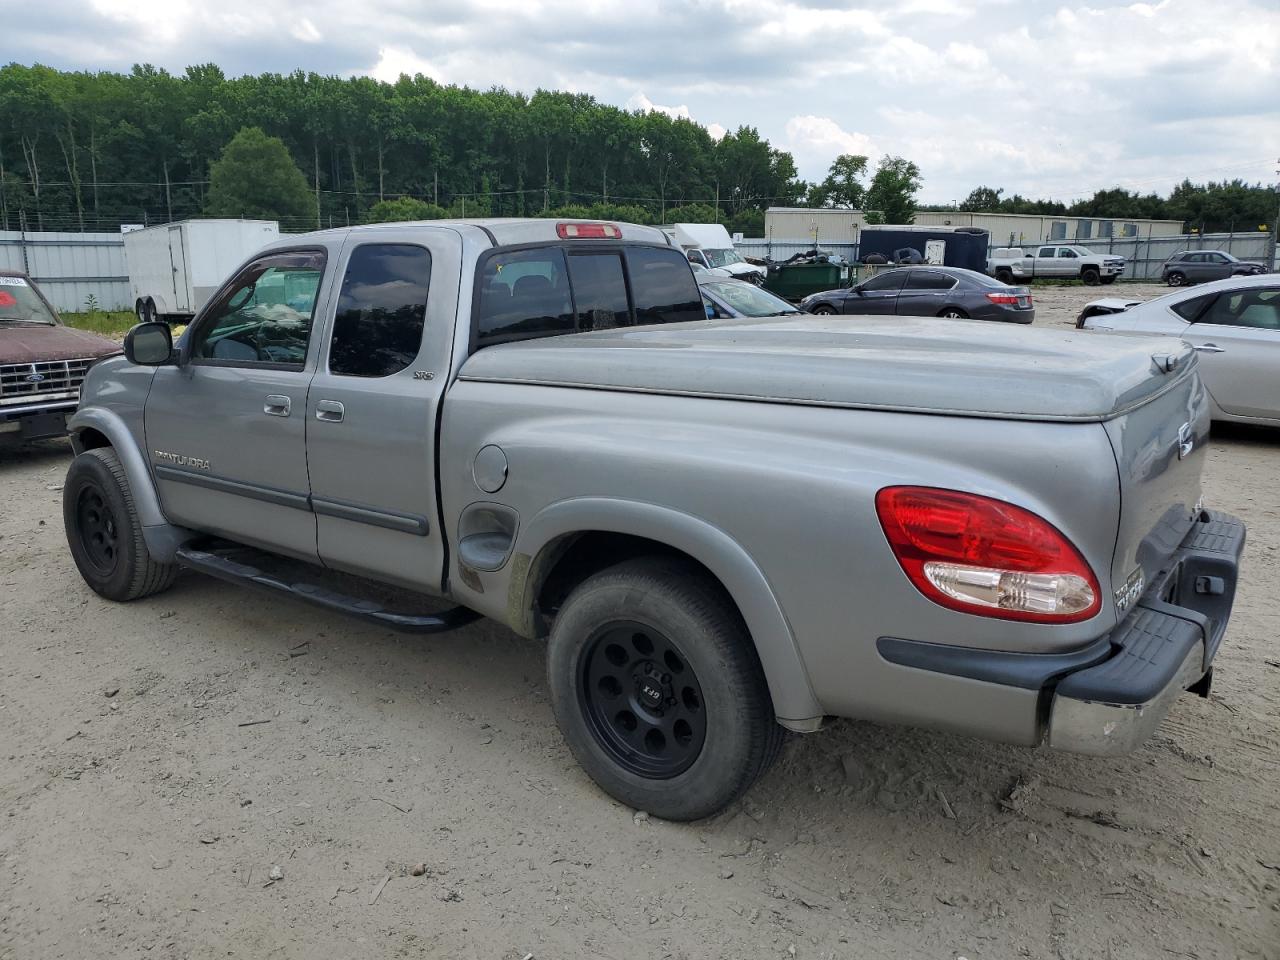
column 277, row 406
column 1210, row 348
column 330, row 411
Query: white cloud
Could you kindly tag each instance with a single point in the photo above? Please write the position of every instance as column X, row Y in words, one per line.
column 396, row 61
column 642, row 103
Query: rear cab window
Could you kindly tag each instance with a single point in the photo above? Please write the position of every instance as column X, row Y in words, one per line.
column 555, row 289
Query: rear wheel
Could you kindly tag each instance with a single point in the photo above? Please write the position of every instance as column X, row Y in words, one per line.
column 954, row 313
column 658, row 691
column 140, row 310
column 1177, row 279
column 1004, row 275
column 1090, row 276
column 104, row 532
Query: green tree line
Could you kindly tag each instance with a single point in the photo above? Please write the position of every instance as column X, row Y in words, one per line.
column 86, row 150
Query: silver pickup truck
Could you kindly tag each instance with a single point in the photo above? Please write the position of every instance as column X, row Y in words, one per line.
column 725, row 528
column 1055, row 262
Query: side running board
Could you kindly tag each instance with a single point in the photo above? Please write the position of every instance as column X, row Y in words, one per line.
column 224, row 568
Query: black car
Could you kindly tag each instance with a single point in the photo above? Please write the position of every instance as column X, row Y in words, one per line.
column 928, row 292
column 1197, row 266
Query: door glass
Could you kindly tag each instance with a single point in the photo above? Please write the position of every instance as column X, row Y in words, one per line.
column 1045, row 252
column 599, row 291
column 382, row 310
column 663, row 287
column 265, row 315
column 1066, row 253
column 929, row 280
column 891, row 280
column 524, row 294
column 1259, row 309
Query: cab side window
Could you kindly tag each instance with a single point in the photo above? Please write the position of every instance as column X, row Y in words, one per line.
column 264, row 316
column 1066, row 253
column 382, row 310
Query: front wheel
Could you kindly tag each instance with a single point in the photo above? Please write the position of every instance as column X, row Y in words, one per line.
column 104, row 532
column 1090, row 276
column 658, row 691
column 824, row 310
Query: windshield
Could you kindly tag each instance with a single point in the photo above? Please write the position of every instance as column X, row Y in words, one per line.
column 722, row 258
column 20, row 303
column 748, row 300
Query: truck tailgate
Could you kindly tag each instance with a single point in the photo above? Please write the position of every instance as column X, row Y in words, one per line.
column 1159, row 448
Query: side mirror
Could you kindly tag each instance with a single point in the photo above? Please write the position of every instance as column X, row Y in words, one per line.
column 149, row 344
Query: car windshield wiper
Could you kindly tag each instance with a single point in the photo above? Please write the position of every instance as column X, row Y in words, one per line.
column 47, row 323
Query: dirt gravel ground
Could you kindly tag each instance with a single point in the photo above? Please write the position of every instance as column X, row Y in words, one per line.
column 163, row 761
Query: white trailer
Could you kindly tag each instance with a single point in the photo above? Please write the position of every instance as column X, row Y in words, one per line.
column 174, row 268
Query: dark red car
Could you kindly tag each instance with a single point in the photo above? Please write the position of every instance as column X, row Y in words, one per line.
column 42, row 362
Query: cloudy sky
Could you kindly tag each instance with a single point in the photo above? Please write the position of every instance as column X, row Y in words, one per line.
column 1044, row 98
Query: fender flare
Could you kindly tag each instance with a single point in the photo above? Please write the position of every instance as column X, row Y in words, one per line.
column 794, row 701
column 162, row 537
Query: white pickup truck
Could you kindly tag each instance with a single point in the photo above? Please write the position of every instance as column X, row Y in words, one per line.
column 1054, row 262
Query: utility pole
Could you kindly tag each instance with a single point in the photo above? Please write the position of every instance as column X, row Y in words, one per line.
column 1275, row 235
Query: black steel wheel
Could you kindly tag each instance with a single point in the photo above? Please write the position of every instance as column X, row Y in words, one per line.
column 642, row 700
column 658, row 690
column 104, row 532
column 97, row 528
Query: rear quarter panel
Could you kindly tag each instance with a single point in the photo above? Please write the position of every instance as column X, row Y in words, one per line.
column 794, row 486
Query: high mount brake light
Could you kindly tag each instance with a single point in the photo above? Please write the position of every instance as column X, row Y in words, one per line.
column 588, row 231
column 987, row 557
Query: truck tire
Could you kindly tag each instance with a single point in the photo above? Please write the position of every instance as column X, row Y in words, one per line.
column 1090, row 276
column 140, row 310
column 658, row 691
column 103, row 530
column 1005, row 275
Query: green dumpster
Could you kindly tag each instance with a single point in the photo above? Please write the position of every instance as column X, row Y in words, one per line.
column 795, row 281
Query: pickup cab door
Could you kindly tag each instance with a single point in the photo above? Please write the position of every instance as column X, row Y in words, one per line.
column 225, row 427
column 374, row 404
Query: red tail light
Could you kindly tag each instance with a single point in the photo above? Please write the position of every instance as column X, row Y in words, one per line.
column 987, row 557
column 588, row 231
column 1011, row 299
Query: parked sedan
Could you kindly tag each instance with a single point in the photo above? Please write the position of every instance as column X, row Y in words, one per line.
column 928, row 292
column 1197, row 266
column 1234, row 325
column 726, row 297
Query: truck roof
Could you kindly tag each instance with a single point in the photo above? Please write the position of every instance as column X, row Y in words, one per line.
column 505, row 231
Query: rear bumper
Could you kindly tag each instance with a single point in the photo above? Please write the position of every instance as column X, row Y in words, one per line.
column 1165, row 645
column 1104, row 698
